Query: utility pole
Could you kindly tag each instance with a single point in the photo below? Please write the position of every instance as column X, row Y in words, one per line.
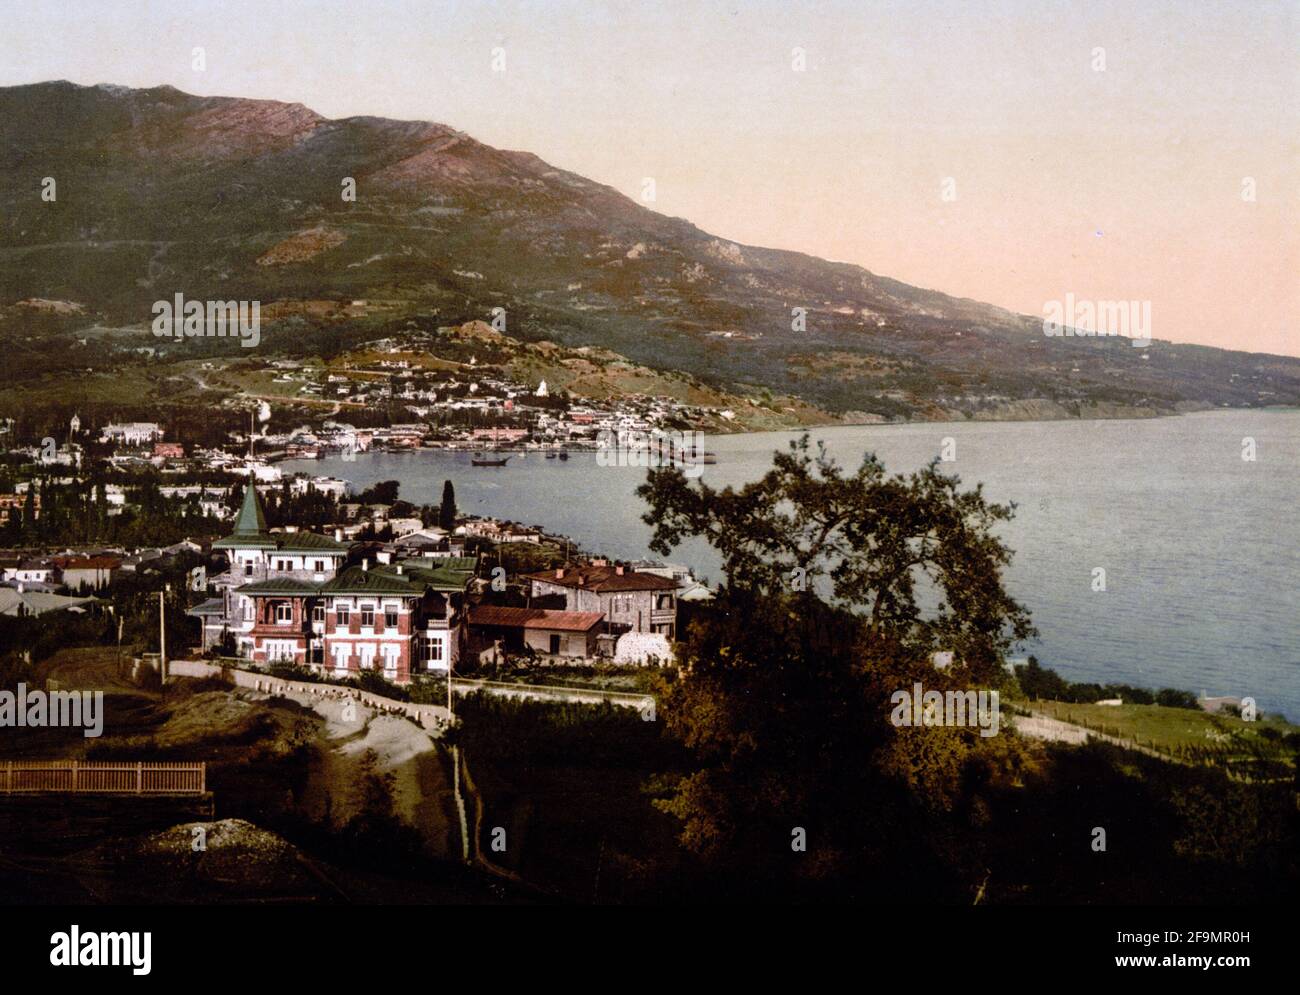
column 162, row 633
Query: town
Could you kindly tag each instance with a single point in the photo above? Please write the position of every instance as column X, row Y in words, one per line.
column 334, row 582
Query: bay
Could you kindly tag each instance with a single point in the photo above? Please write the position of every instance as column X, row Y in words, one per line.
column 1201, row 548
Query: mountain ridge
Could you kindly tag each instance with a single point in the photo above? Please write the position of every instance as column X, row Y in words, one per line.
column 161, row 190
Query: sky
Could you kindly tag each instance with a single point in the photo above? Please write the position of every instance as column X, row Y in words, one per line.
column 1011, row 152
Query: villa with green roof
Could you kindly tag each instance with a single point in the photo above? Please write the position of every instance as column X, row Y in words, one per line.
column 291, row 596
column 402, row 618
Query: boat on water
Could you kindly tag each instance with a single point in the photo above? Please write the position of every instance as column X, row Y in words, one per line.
column 550, row 455
column 693, row 456
column 480, row 459
column 563, row 455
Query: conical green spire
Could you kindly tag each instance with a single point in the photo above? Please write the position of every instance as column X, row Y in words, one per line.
column 251, row 521
column 250, row 527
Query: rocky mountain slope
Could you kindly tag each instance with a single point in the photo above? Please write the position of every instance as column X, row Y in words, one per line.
column 160, row 192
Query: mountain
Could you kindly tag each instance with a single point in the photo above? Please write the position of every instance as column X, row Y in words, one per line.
column 160, row 191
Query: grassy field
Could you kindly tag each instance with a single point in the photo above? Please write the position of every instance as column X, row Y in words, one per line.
column 1181, row 732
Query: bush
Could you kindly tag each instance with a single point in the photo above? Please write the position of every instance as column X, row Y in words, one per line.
column 1173, row 698
column 293, row 672
column 1037, row 682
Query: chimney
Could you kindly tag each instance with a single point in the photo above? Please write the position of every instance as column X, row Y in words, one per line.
column 365, row 563
column 338, row 535
column 619, row 570
column 399, row 569
column 559, row 573
column 291, row 529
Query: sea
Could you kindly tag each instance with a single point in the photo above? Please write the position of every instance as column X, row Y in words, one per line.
column 1193, row 520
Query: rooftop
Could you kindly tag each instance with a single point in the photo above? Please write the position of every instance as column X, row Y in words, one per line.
column 251, row 533
column 280, row 585
column 603, row 579
column 449, row 573
column 534, row 618
column 354, row 580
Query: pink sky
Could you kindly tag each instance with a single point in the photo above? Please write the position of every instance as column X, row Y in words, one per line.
column 1123, row 183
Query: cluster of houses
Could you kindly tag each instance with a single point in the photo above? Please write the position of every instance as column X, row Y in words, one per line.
column 416, row 605
column 84, row 570
column 466, row 408
column 35, row 585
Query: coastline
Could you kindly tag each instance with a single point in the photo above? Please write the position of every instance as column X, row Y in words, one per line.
column 1117, row 488
column 1144, row 414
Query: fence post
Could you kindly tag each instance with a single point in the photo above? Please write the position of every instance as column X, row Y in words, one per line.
column 74, row 776
column 203, row 777
column 139, row 776
column 9, row 776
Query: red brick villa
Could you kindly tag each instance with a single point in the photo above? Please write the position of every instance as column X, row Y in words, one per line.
column 289, row 596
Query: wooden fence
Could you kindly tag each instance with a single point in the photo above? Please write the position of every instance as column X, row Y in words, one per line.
column 103, row 777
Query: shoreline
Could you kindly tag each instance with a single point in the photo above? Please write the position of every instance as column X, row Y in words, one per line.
column 464, row 446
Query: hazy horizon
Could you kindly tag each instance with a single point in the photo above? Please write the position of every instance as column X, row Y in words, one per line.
column 1123, row 182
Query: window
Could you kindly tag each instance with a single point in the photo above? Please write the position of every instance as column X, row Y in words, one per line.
column 367, row 655
column 390, row 618
column 318, row 613
column 283, row 613
column 389, row 654
column 248, row 609
column 248, row 568
column 367, row 614
column 342, row 616
column 320, row 566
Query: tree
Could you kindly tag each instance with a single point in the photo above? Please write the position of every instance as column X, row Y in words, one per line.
column 31, row 524
column 384, row 492
column 864, row 542
column 783, row 696
column 447, row 512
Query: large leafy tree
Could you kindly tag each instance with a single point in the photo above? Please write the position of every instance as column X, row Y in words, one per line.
column 879, row 546
column 839, row 588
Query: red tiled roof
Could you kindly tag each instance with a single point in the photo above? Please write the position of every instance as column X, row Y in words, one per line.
column 602, row 579
column 534, row 618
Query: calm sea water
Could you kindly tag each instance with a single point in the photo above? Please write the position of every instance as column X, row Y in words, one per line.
column 1201, row 548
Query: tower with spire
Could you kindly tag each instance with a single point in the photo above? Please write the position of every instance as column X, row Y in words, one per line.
column 289, row 597
column 273, row 584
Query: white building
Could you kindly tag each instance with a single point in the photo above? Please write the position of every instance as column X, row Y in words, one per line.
column 135, row 433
